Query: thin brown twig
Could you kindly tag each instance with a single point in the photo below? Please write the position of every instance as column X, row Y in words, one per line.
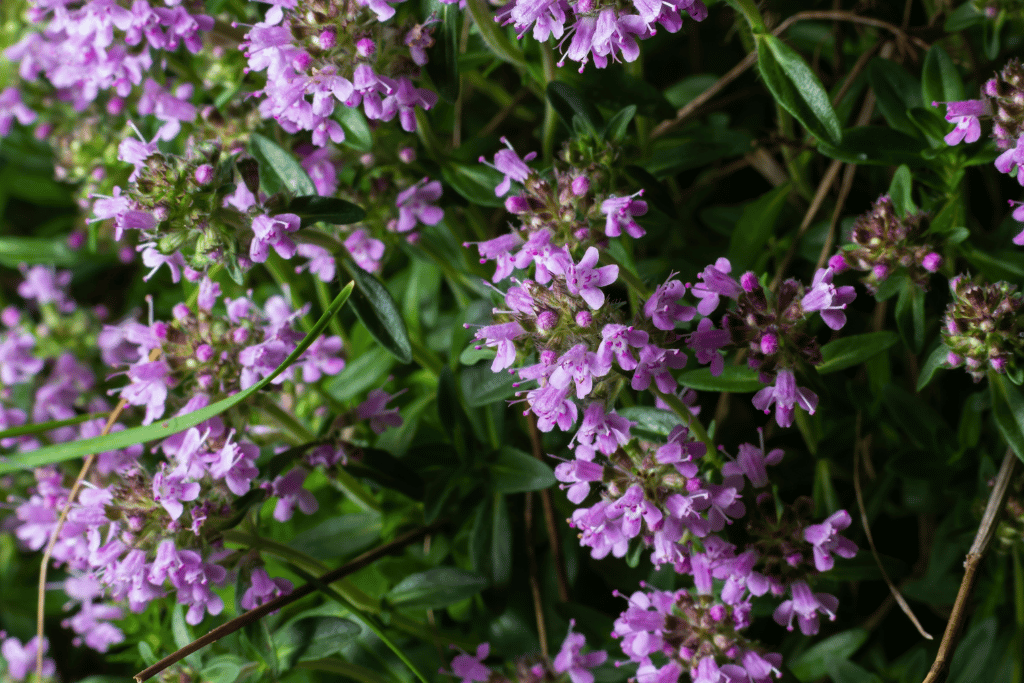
column 548, row 506
column 65, row 510
column 897, row 596
column 987, row 528
column 277, row 603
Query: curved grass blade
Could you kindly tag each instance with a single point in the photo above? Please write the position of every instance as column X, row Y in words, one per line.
column 39, row 427
column 173, row 425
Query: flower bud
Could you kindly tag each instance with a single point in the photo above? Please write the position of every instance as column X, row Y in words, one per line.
column 580, row 186
column 328, row 38
column 517, row 204
column 204, row 353
column 584, row 318
column 407, row 155
column 932, row 262
column 365, row 47
column 204, row 174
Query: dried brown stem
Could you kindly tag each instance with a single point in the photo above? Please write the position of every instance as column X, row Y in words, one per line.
column 531, row 557
column 48, row 552
column 996, row 501
column 277, row 603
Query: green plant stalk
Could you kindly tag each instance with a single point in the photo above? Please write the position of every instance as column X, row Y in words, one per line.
column 276, row 267
column 367, row 620
column 324, row 297
column 427, row 359
column 38, row 427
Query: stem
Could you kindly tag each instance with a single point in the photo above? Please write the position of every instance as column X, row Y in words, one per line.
column 426, row 358
column 996, row 501
column 557, row 552
column 688, row 418
column 254, row 615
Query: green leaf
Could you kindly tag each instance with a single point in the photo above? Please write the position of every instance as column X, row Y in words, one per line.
column 501, row 542
column 618, row 125
column 378, row 311
column 651, row 422
column 900, row 190
column 222, row 669
column 845, row 671
column 389, row 471
column 735, row 379
column 279, row 170
column 36, row 250
column 569, row 104
column 1008, row 410
column 964, row 16
column 40, row 427
column 330, row 634
column 849, row 351
column 493, row 35
column 797, row 89
column 182, row 634
column 475, row 182
column 940, row 81
column 755, row 226
column 314, row 209
column 481, row 387
column 896, row 91
column 876, row 145
column 434, row 588
column 973, row 652
column 339, row 536
column 358, row 135
column 516, row 471
column 813, row 663
column 173, row 425
column 935, row 362
column 910, row 316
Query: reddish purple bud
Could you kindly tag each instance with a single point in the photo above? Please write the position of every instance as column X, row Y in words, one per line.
column 328, row 38
column 998, row 364
column 204, row 353
column 240, row 335
column 881, row 271
column 365, row 47
column 204, row 174
column 10, row 316
column 516, row 204
column 547, row 320
column 749, row 281
column 584, row 318
column 838, row 263
column 580, row 186
column 932, row 262
column 407, row 155
column 76, row 240
column 180, row 312
column 769, row 344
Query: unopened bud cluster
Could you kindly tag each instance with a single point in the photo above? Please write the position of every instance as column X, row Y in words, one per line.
column 984, row 328
column 883, row 242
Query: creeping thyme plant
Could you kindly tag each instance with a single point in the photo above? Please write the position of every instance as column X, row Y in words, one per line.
column 547, row 341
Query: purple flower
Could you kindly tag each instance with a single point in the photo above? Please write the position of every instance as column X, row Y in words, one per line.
column 46, row 286
column 681, row 452
column 715, row 283
column 805, row 606
column 499, row 250
column 260, row 360
column 289, row 492
column 571, row 659
column 605, row 431
column 416, row 203
column 17, row 364
column 170, row 491
column 511, row 165
column 552, row 407
column 235, row 465
column 263, row 589
column 619, row 212
column 148, row 388
column 705, row 341
column 22, row 659
column 599, row 531
column 501, row 336
column 708, row 671
column 272, row 231
column 826, row 540
column 965, row 115
column 365, row 250
column 655, row 363
column 11, row 108
column 663, row 308
column 829, row 300
column 322, row 358
column 579, row 365
column 578, row 474
column 321, row 262
column 752, row 461
column 785, row 395
column 616, row 340
column 374, row 409
column 471, row 668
